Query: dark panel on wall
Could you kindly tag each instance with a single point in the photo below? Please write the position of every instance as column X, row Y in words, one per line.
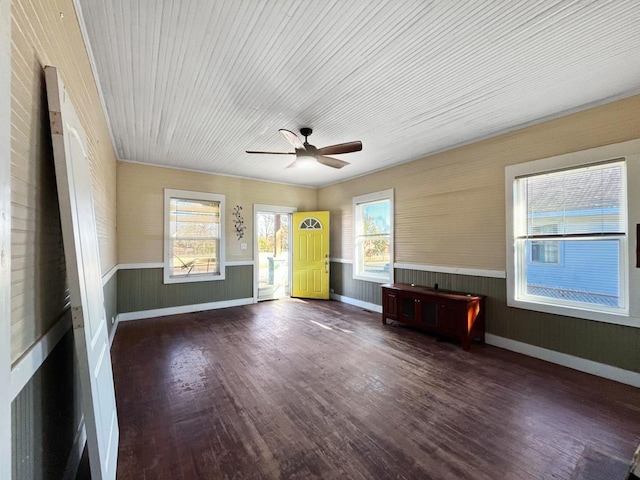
column 142, row 289
column 342, row 283
column 110, row 290
column 606, row 343
column 45, row 416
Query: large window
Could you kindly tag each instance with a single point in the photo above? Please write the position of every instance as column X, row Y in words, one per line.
column 373, row 235
column 569, row 237
column 194, row 236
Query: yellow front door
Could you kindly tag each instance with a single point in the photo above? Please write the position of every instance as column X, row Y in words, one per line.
column 310, row 255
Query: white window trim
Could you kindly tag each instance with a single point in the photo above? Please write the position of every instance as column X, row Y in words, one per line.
column 366, row 198
column 630, row 152
column 212, row 197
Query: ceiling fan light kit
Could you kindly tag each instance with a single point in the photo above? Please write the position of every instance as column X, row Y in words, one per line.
column 303, row 161
column 306, row 153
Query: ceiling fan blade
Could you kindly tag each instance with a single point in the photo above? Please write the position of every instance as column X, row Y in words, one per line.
column 271, row 153
column 341, row 148
column 331, row 162
column 292, row 138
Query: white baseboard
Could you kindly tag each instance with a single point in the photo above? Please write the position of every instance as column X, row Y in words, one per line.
column 588, row 366
column 73, row 462
column 358, row 303
column 31, row 361
column 161, row 312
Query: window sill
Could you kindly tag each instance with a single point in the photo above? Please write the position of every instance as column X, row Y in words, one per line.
column 373, row 279
column 192, row 278
column 621, row 318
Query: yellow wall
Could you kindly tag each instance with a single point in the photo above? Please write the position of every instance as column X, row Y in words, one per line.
column 450, row 207
column 141, row 207
column 42, row 36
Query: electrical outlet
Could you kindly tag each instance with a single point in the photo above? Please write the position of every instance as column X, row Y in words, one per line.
column 113, row 320
column 243, row 246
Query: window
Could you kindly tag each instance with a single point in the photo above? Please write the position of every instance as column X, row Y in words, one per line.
column 194, row 236
column 373, row 236
column 569, row 238
column 545, row 251
column 310, row 224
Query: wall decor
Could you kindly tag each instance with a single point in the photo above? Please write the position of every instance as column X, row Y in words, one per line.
column 238, row 221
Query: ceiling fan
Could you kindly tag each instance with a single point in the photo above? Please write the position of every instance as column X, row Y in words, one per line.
column 305, row 152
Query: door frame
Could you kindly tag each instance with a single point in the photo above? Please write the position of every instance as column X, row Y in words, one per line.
column 5, row 238
column 258, row 208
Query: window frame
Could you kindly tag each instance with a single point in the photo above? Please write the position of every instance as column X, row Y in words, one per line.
column 357, row 202
column 629, row 154
column 195, row 196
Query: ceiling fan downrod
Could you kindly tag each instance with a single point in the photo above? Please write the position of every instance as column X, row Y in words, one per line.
column 305, row 132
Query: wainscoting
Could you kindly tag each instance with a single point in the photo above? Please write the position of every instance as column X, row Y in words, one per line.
column 46, row 416
column 142, row 289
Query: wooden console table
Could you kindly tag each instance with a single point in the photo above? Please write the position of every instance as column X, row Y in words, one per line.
column 449, row 314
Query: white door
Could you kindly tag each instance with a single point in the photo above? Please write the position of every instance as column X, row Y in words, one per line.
column 85, row 281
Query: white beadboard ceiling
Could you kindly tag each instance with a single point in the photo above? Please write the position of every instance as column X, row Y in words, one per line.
column 194, row 83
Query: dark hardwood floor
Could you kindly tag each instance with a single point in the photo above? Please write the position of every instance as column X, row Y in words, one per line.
column 319, row 389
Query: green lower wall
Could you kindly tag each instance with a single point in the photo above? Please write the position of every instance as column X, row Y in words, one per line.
column 143, row 289
column 45, row 416
column 341, row 282
column 606, row 343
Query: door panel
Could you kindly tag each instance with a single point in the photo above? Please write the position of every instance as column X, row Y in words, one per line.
column 302, row 248
column 317, row 281
column 311, row 255
column 82, row 258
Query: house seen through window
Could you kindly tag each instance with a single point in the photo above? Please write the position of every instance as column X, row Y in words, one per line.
column 570, row 237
